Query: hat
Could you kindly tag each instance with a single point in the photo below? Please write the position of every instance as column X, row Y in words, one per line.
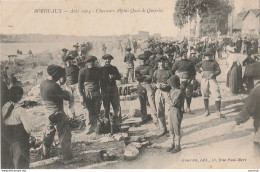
column 65, row 49
column 174, row 81
column 160, row 58
column 142, row 57
column 159, row 50
column 107, row 56
column 192, row 52
column 128, row 49
column 54, row 70
column 90, row 58
column 148, row 54
column 208, row 52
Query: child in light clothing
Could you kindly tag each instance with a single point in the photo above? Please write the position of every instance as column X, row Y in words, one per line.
column 175, row 114
column 19, row 127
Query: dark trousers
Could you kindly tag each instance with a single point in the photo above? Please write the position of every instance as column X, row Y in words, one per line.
column 92, row 103
column 58, row 122
column 147, row 92
column 111, row 96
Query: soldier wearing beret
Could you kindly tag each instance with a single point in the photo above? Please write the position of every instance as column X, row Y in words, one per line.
column 145, row 90
column 89, row 89
column 129, row 60
column 109, row 91
column 187, row 72
column 159, row 79
column 53, row 96
column 209, row 85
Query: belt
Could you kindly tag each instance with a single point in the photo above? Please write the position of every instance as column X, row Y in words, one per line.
column 184, row 75
column 91, row 86
column 207, row 74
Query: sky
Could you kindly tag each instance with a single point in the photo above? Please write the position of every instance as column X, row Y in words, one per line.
column 19, row 17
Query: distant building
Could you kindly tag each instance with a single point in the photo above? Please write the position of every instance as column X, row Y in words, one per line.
column 251, row 23
column 237, row 25
column 143, row 34
column 157, row 35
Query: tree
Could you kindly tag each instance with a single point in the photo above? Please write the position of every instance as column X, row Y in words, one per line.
column 213, row 13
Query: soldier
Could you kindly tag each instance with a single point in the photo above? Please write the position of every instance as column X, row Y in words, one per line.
column 104, row 49
column 193, row 58
column 64, row 55
column 160, row 77
column 129, row 60
column 186, row 72
column 30, row 53
column 109, row 91
column 209, row 85
column 53, row 96
column 89, row 89
column 145, row 90
column 71, row 72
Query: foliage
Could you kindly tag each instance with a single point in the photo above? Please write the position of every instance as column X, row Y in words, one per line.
column 213, row 13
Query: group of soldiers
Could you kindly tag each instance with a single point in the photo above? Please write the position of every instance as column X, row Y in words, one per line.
column 162, row 80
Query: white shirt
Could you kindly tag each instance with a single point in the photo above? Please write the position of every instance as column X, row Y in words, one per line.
column 18, row 116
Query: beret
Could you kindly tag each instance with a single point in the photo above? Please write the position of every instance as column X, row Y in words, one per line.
column 54, row 70
column 142, row 57
column 208, row 52
column 107, row 56
column 65, row 49
column 90, row 58
column 174, row 81
column 160, row 58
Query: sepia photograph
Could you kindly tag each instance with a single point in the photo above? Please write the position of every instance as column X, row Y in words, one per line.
column 130, row 84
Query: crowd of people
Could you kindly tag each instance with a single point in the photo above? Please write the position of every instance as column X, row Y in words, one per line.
column 165, row 79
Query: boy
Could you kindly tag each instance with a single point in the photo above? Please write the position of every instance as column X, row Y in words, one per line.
column 18, row 128
column 175, row 114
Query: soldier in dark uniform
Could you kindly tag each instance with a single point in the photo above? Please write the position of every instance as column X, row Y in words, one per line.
column 160, row 77
column 187, row 72
column 89, row 89
column 209, row 85
column 64, row 55
column 145, row 90
column 129, row 60
column 109, row 91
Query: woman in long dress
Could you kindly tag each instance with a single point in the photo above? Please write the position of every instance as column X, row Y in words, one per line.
column 234, row 74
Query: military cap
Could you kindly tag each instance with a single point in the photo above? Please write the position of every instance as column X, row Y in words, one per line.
column 128, row 49
column 90, row 58
column 107, row 56
column 142, row 57
column 148, row 54
column 174, row 81
column 208, row 52
column 64, row 49
column 160, row 58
